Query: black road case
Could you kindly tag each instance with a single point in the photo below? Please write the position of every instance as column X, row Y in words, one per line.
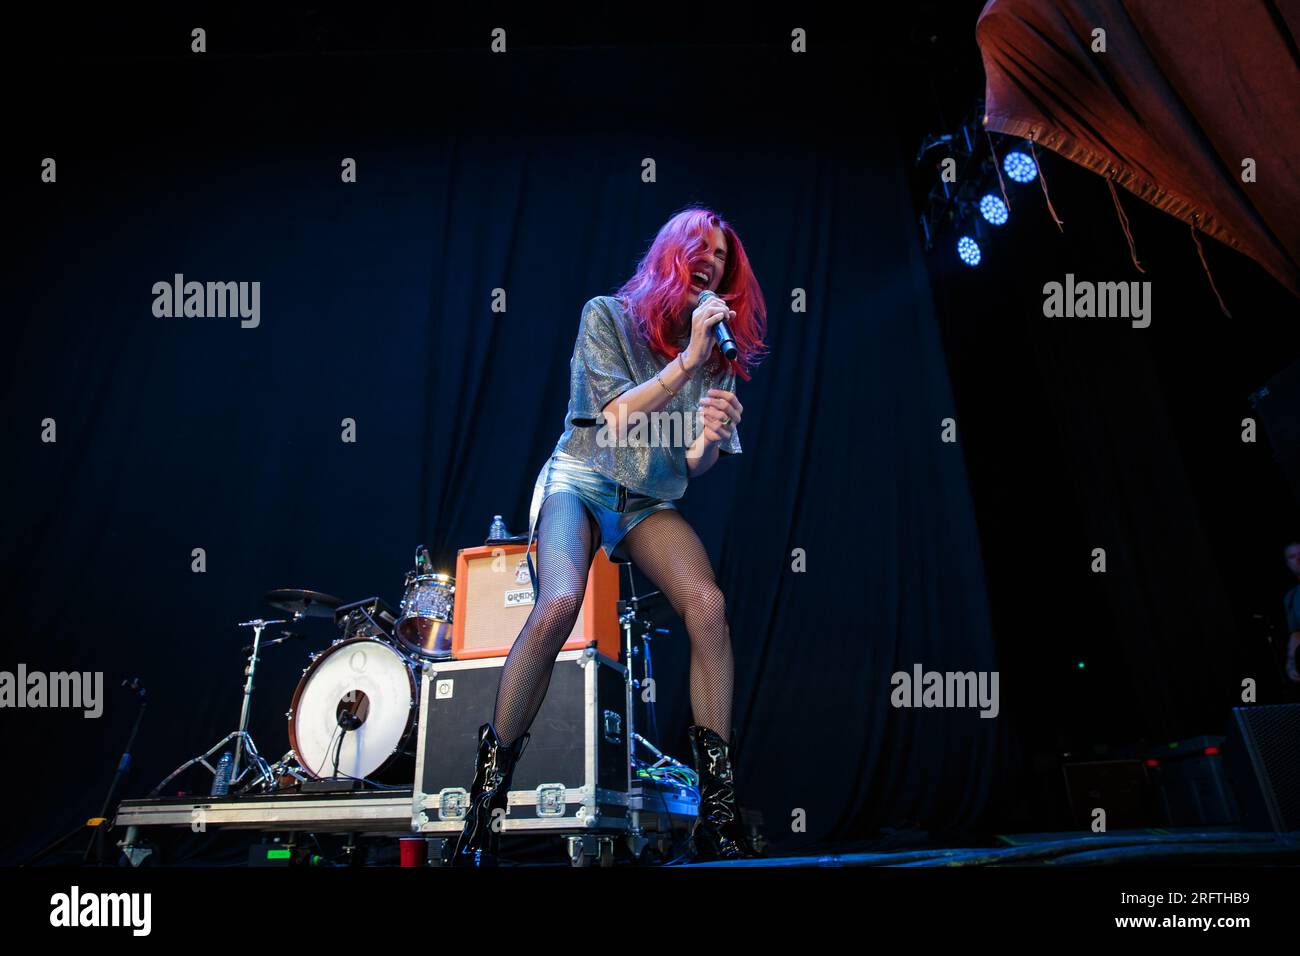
column 573, row 778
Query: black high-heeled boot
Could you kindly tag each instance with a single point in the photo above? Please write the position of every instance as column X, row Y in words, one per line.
column 718, row 833
column 478, row 842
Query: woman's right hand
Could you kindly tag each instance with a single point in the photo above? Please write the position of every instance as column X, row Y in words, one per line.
column 708, row 314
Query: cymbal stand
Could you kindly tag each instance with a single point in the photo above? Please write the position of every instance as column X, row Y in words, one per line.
column 637, row 630
column 243, row 739
column 636, row 643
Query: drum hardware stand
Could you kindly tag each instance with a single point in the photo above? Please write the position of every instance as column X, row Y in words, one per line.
column 663, row 757
column 635, row 628
column 368, row 609
column 286, row 766
column 243, row 739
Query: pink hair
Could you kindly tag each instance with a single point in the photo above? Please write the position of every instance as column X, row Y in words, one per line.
column 660, row 290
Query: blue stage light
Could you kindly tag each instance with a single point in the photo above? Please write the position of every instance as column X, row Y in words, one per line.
column 1019, row 167
column 969, row 250
column 993, row 209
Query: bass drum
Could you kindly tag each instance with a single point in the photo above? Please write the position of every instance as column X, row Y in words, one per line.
column 364, row 691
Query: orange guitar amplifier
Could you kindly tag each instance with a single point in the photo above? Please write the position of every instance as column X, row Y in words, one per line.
column 494, row 595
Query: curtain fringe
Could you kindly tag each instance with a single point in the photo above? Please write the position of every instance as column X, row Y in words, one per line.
column 1043, row 180
column 997, row 165
column 1206, row 266
column 1123, row 222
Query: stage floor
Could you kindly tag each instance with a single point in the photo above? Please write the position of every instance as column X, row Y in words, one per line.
column 1211, row 845
column 385, row 817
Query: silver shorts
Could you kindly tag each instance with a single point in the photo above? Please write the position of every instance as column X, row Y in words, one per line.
column 615, row 509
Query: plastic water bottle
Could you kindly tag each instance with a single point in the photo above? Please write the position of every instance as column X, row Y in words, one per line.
column 221, row 782
column 498, row 530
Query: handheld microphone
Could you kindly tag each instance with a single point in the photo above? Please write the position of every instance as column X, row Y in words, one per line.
column 722, row 334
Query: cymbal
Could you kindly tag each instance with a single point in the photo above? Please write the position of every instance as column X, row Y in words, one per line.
column 301, row 602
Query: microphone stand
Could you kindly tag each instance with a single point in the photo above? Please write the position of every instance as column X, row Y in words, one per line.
column 100, row 823
column 347, row 721
column 95, row 847
column 338, row 751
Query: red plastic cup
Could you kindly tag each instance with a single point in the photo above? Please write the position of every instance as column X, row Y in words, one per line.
column 414, row 850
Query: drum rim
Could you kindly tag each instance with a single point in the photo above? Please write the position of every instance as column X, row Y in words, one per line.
column 439, row 578
column 411, row 720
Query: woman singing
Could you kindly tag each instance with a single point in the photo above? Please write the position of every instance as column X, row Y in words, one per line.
column 609, row 484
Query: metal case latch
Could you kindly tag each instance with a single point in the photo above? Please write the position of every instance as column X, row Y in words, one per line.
column 452, row 803
column 612, row 726
column 550, row 800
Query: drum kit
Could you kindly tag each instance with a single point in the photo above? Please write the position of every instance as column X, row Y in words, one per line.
column 352, row 719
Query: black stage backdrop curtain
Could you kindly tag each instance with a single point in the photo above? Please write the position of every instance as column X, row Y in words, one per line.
column 175, row 434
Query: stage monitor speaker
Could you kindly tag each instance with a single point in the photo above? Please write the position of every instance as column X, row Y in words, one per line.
column 1123, row 788
column 494, row 595
column 1192, row 782
column 1262, row 757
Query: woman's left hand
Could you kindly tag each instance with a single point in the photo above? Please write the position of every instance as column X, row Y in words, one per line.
column 718, row 406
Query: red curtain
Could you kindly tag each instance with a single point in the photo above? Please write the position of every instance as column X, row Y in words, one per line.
column 1183, row 94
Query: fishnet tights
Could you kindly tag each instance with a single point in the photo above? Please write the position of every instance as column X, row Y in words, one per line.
column 667, row 550
column 567, row 539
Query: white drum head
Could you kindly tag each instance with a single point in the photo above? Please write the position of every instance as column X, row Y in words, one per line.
column 368, row 682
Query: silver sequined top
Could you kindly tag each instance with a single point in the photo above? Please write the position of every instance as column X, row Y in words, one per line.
column 610, row 357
